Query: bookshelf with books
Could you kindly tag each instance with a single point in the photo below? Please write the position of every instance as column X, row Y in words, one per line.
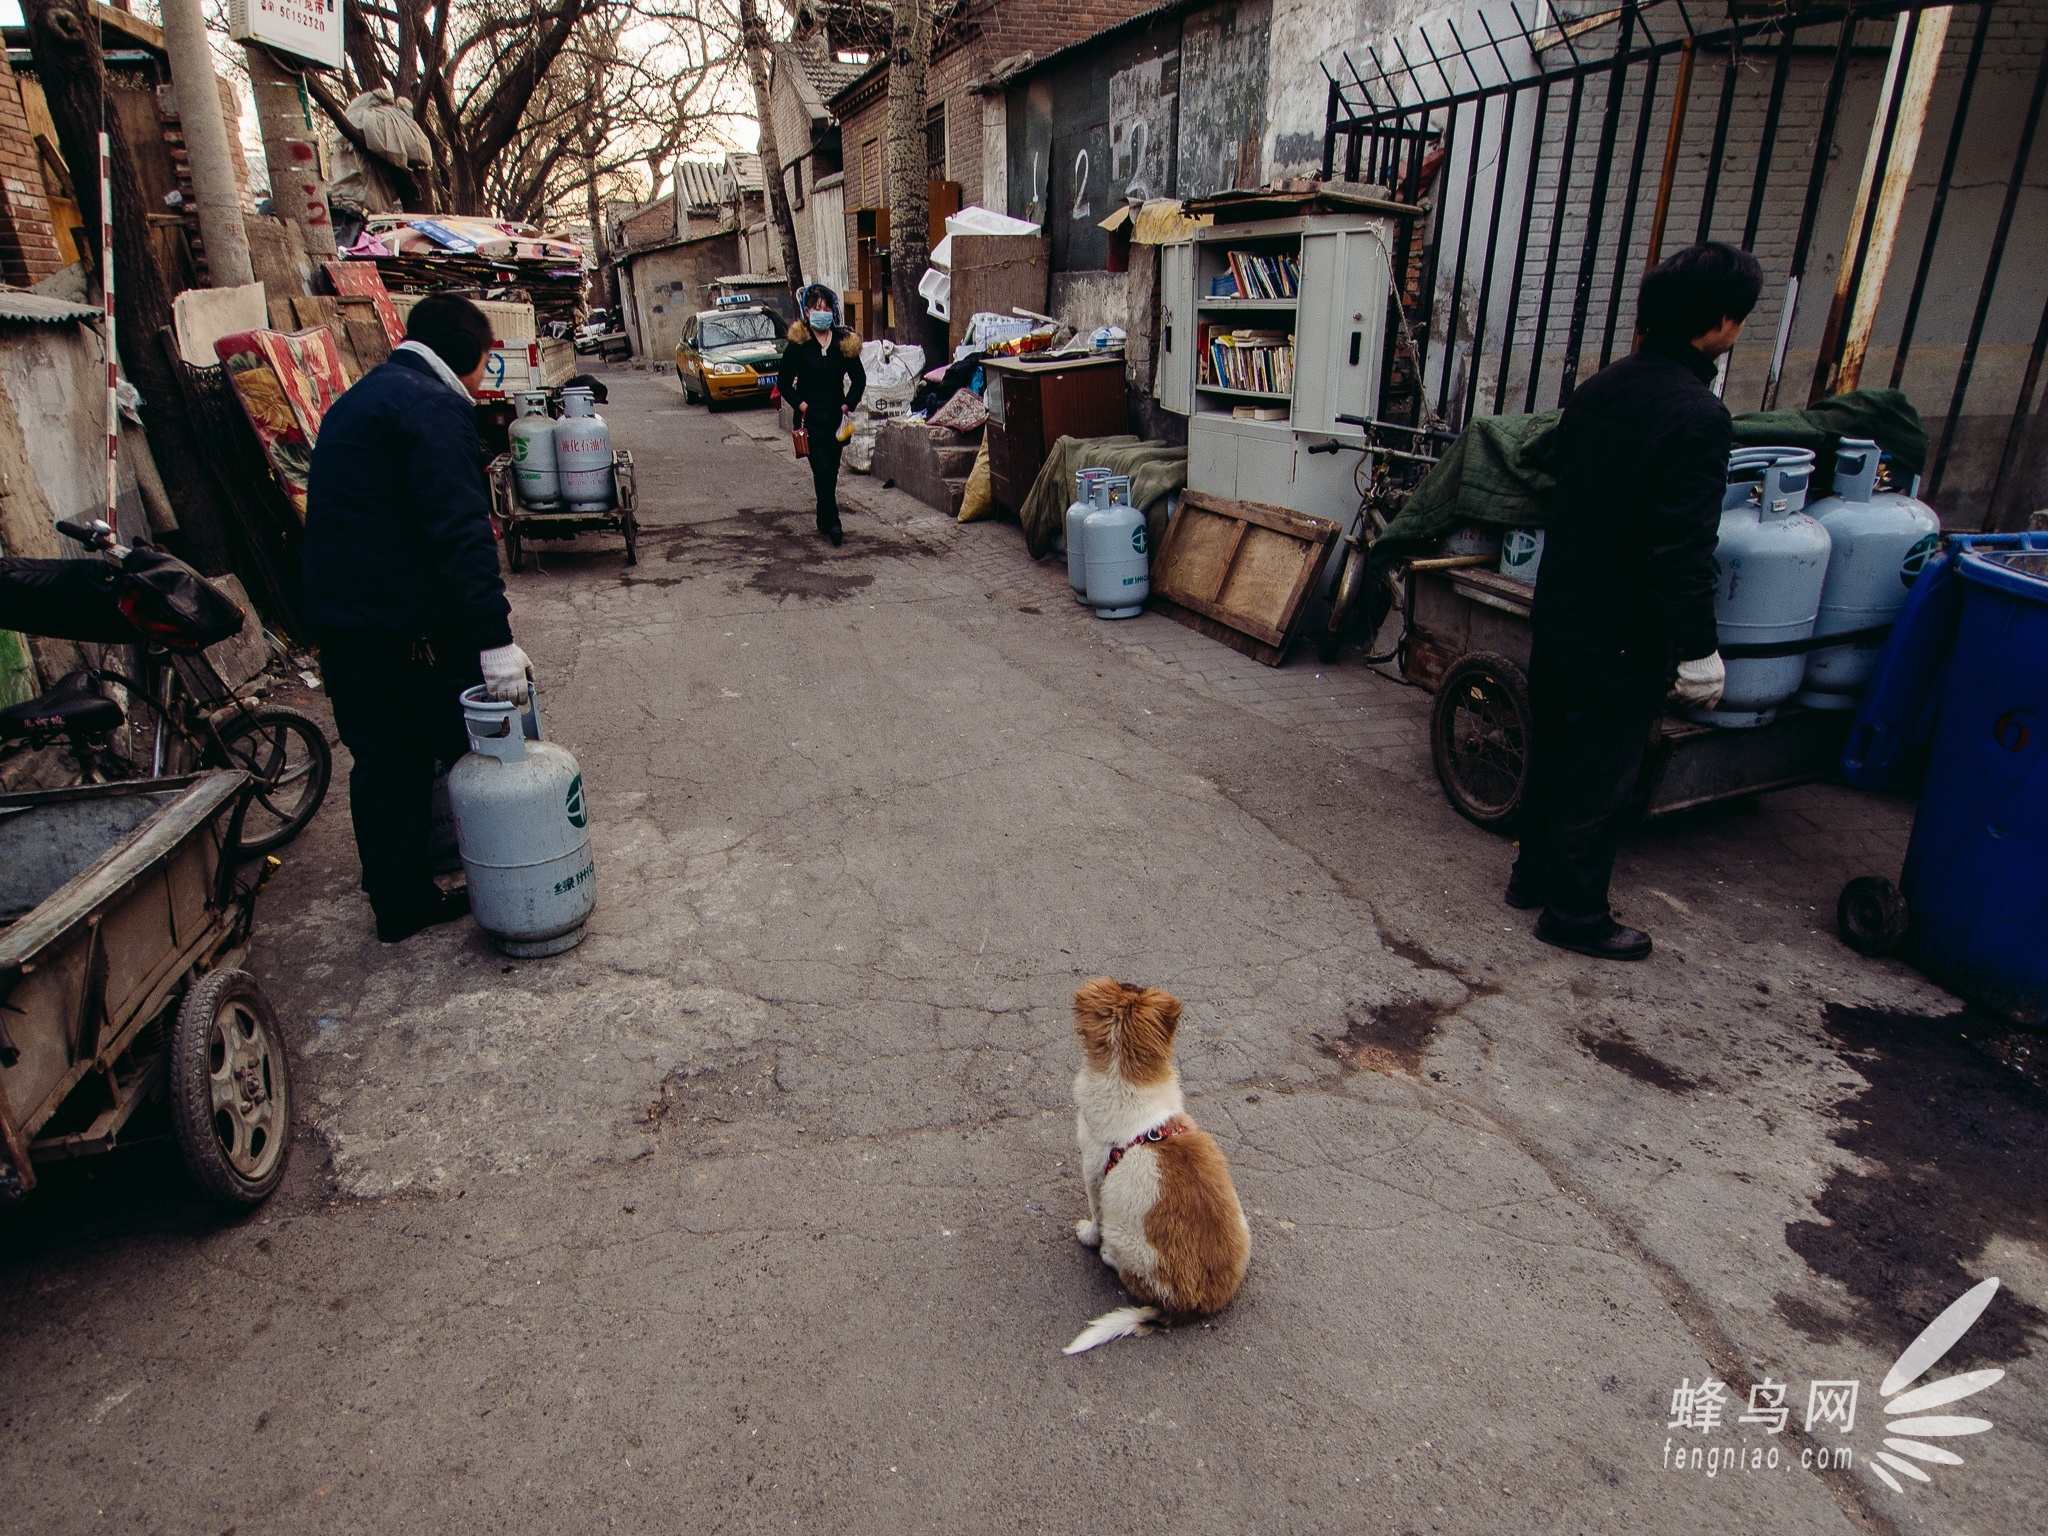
column 1247, row 295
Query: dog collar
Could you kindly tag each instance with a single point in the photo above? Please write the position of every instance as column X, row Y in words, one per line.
column 1172, row 1127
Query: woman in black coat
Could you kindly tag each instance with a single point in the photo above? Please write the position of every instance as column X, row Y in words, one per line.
column 822, row 380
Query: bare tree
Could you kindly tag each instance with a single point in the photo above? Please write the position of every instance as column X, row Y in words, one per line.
column 910, row 54
column 754, row 37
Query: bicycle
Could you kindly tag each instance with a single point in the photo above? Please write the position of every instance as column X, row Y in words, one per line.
column 175, row 717
column 1379, row 503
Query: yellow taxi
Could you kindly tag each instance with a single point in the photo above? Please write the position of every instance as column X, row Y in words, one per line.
column 729, row 354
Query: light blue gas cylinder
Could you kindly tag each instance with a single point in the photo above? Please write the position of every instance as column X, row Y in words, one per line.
column 583, row 452
column 1119, row 559
column 1770, row 564
column 1878, row 540
column 532, row 439
column 1086, row 500
column 523, row 825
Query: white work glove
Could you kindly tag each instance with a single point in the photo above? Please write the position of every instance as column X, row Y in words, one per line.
column 1700, row 681
column 504, row 674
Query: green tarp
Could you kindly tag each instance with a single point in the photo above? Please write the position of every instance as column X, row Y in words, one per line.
column 1497, row 472
column 1156, row 470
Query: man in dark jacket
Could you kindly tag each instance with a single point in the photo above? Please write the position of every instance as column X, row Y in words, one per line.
column 1626, row 588
column 823, row 380
column 404, row 597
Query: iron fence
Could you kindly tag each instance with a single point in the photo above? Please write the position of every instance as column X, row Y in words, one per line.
column 1555, row 148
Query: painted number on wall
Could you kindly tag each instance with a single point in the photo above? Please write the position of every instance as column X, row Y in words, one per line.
column 1081, row 206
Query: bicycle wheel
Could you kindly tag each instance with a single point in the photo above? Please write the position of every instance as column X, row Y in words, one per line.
column 1479, row 735
column 287, row 754
column 1343, row 600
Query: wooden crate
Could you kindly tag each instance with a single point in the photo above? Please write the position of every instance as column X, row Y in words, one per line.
column 1240, row 571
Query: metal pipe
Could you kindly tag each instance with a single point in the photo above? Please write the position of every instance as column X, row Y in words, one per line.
column 1596, row 208
column 1965, row 88
column 1815, row 179
column 1507, row 342
column 1875, row 259
column 1720, row 150
column 1630, row 202
column 2005, row 215
column 1680, row 95
column 1557, row 213
column 1336, row 97
column 1884, row 124
column 1769, row 145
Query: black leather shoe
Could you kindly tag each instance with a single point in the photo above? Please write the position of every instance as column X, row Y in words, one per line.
column 1618, row 943
column 836, row 534
column 398, row 926
column 1524, row 898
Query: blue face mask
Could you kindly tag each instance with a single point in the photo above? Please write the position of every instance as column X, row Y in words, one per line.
column 821, row 319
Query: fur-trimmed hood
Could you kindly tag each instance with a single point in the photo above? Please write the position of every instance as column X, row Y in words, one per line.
column 849, row 344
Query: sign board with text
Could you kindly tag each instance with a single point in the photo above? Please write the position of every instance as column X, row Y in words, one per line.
column 305, row 29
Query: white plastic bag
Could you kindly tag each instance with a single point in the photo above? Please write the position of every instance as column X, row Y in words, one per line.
column 892, row 369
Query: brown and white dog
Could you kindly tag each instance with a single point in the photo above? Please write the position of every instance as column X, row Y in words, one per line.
column 1160, row 1203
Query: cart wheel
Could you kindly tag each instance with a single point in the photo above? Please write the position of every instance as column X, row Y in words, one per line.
column 287, row 754
column 515, row 551
column 231, row 1089
column 632, row 527
column 1479, row 738
column 1871, row 915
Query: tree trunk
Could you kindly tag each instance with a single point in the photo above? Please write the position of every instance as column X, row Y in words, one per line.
column 206, row 146
column 910, row 53
column 593, row 207
column 66, row 45
column 754, row 39
column 297, row 190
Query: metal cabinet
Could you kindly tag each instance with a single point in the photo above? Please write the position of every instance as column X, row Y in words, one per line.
column 1343, row 323
column 1173, row 383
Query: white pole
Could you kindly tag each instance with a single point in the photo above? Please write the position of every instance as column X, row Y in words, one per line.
column 107, row 298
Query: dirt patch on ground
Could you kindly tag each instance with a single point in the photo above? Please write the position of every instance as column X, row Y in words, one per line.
column 1620, row 1051
column 1953, row 1132
column 1391, row 1038
column 780, row 554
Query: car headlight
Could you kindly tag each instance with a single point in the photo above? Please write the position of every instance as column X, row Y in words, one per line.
column 727, row 370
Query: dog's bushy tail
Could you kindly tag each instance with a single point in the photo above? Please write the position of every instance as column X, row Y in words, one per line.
column 1123, row 1323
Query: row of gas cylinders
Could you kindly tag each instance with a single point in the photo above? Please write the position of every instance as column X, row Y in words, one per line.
column 1789, row 573
column 1109, row 562
column 566, row 462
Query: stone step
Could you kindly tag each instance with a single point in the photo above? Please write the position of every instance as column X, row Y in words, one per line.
column 955, row 461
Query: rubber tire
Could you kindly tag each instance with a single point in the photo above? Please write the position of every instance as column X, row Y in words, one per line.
column 632, row 530
column 321, row 756
column 515, row 550
column 192, row 1099
column 1871, row 916
column 1480, row 669
column 1344, row 597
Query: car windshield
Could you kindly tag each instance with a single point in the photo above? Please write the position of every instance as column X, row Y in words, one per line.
column 724, row 330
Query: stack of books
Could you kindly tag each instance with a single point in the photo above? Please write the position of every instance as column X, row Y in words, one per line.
column 1259, row 277
column 1262, row 361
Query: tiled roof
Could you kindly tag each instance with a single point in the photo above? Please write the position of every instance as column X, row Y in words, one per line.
column 746, row 170
column 823, row 73
column 700, row 183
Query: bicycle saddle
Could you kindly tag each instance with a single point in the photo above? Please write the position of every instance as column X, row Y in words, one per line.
column 75, row 706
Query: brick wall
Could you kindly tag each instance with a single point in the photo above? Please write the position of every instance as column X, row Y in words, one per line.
column 28, row 247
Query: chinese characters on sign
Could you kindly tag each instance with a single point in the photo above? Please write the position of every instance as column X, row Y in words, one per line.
column 306, row 29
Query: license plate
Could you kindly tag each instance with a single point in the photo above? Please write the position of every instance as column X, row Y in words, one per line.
column 767, row 380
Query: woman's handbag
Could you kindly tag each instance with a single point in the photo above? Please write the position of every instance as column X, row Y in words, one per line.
column 800, row 438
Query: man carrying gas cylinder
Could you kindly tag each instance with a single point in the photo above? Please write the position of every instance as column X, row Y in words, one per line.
column 404, row 597
column 1626, row 589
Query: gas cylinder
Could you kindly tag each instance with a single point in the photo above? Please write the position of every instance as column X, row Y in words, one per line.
column 1878, row 540
column 583, row 452
column 1084, row 502
column 533, row 452
column 524, row 830
column 1521, row 554
column 1119, row 561
column 1769, row 567
column 1746, row 466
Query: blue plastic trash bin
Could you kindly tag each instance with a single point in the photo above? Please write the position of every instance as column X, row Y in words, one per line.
column 1976, row 876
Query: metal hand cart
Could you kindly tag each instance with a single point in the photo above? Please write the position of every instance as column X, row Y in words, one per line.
column 517, row 522
column 1468, row 639
column 124, row 925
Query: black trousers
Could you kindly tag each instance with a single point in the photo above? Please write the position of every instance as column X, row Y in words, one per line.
column 826, row 450
column 1594, row 711
column 398, row 709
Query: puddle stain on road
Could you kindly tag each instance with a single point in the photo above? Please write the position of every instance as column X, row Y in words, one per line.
column 781, row 553
column 1951, row 1133
column 1619, row 1050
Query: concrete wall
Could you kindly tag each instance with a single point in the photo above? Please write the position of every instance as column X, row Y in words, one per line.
column 667, row 286
column 55, row 377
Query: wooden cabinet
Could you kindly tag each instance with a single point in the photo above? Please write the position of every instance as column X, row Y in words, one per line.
column 1031, row 406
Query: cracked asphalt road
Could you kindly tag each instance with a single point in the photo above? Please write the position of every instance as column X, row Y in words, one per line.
column 754, row 1212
